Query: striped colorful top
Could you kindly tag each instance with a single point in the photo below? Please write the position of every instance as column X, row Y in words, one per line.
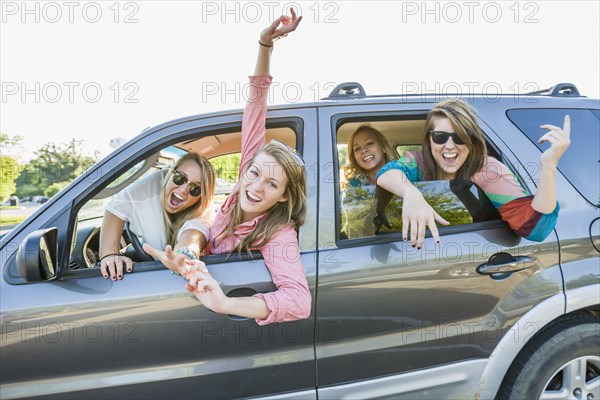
column 502, row 188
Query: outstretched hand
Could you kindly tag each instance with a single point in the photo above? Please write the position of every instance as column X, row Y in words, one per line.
column 206, row 288
column 280, row 28
column 559, row 140
column 417, row 215
column 175, row 262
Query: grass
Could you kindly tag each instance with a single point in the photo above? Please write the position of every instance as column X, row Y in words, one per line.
column 10, row 208
column 11, row 219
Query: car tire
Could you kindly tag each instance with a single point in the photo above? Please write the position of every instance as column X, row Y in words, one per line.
column 549, row 366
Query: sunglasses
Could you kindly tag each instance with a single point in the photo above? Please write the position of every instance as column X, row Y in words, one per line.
column 299, row 161
column 441, row 137
column 179, row 179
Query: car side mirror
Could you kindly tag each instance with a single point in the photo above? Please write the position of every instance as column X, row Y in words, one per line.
column 36, row 257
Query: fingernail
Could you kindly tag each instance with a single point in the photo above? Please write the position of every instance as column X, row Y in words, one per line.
column 114, row 278
column 437, row 242
column 105, row 276
column 120, row 276
column 129, row 270
column 414, row 245
column 418, row 248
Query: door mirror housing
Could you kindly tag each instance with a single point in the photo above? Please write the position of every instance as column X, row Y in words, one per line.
column 36, row 257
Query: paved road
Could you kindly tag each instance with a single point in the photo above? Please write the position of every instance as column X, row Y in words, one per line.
column 26, row 209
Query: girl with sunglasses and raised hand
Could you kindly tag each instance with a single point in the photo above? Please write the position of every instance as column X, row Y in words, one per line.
column 167, row 209
column 454, row 148
column 264, row 211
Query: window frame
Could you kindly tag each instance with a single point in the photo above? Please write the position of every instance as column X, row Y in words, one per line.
column 565, row 110
column 337, row 120
column 296, row 124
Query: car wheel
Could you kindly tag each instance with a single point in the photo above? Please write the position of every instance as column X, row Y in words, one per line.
column 562, row 362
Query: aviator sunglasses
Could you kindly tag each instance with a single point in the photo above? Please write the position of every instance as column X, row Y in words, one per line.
column 180, row 179
column 441, row 137
column 299, row 161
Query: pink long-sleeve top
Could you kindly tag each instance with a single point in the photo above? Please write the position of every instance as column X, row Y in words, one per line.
column 292, row 299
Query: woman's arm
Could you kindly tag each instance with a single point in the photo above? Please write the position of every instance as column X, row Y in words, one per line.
column 110, row 236
column 292, row 299
column 417, row 214
column 253, row 124
column 210, row 294
column 191, row 241
column 544, row 200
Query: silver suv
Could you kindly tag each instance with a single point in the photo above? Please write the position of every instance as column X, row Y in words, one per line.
column 484, row 314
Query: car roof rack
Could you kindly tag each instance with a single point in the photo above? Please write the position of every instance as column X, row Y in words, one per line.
column 347, row 90
column 559, row 90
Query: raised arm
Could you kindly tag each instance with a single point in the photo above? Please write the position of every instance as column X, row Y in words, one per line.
column 253, row 124
column 544, row 200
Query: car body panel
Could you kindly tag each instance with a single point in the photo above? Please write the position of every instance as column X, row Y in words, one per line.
column 387, row 321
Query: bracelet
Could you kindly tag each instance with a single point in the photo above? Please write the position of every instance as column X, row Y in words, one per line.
column 109, row 255
column 264, row 45
column 188, row 253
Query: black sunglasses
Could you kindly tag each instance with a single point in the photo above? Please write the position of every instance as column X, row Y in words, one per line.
column 441, row 137
column 179, row 179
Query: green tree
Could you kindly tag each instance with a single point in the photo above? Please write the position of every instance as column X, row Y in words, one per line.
column 10, row 150
column 55, row 164
column 227, row 166
column 54, row 188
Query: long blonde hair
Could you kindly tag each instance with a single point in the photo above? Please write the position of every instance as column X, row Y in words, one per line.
column 173, row 222
column 292, row 211
column 352, row 169
column 462, row 118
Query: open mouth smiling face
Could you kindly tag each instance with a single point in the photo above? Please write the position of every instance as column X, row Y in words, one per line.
column 263, row 186
column 178, row 197
column 448, row 156
column 367, row 151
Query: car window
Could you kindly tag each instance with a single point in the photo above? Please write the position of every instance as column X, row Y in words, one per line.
column 223, row 151
column 357, row 206
column 580, row 164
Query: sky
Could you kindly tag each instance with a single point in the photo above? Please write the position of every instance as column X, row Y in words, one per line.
column 101, row 70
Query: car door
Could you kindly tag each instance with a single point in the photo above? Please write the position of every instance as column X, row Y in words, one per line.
column 80, row 335
column 400, row 322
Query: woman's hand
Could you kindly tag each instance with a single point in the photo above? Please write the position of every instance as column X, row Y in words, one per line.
column 175, row 262
column 274, row 31
column 206, row 289
column 113, row 265
column 559, row 140
column 417, row 214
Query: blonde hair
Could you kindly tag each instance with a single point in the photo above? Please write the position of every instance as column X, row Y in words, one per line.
column 173, row 222
column 462, row 118
column 292, row 211
column 352, row 169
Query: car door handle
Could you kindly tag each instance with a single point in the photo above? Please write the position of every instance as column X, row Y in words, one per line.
column 502, row 263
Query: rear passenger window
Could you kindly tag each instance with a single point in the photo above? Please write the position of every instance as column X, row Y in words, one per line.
column 459, row 202
column 580, row 164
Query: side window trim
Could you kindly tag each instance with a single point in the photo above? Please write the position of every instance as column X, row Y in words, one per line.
column 296, row 124
column 338, row 120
